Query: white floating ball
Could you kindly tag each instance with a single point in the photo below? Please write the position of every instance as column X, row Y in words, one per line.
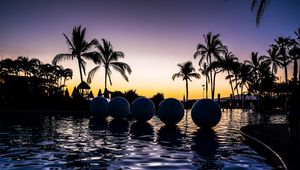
column 170, row 111
column 142, row 109
column 206, row 113
column 118, row 107
column 99, row 106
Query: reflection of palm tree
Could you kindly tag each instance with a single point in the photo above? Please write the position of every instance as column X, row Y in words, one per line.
column 187, row 71
column 204, row 71
column 209, row 51
column 109, row 58
column 79, row 48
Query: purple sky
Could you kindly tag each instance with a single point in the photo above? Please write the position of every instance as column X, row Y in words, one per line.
column 155, row 35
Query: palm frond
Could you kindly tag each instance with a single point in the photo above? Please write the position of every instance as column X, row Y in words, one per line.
column 195, row 75
column 69, row 43
column 92, row 73
column 123, row 66
column 60, row 57
column 177, row 75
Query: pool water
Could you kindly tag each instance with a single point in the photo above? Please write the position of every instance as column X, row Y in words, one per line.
column 88, row 142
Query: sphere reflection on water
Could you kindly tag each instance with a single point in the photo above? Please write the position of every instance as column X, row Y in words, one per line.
column 170, row 135
column 142, row 131
column 118, row 126
column 98, row 123
column 205, row 142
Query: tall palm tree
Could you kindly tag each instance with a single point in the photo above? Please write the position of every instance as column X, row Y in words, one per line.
column 108, row 58
column 294, row 53
column 284, row 43
column 273, row 59
column 245, row 76
column 79, row 48
column 205, row 72
column 227, row 64
column 255, row 62
column 210, row 51
column 187, row 71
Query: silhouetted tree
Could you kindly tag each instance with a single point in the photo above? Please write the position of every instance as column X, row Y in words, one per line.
column 284, row 43
column 227, row 63
column 131, row 95
column 204, row 71
column 254, row 63
column 273, row 59
column 157, row 98
column 210, row 51
column 245, row 77
column 108, row 58
column 187, row 71
column 79, row 48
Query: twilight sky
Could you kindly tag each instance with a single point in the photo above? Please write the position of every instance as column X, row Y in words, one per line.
column 155, row 35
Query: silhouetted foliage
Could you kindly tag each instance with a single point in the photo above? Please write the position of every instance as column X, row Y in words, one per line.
column 108, row 58
column 116, row 94
column 210, row 51
column 187, row 71
column 131, row 95
column 79, row 48
column 30, row 77
column 157, row 98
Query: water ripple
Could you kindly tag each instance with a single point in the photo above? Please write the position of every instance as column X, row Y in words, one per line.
column 68, row 142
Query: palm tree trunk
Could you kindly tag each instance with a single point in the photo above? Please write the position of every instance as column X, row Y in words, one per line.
column 295, row 71
column 80, row 71
column 206, row 85
column 237, row 87
column 230, row 81
column 285, row 72
column 214, row 85
column 211, row 79
column 187, row 91
column 105, row 80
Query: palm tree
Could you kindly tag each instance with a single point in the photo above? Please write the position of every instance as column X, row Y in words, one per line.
column 283, row 43
column 34, row 66
column 187, row 71
column 108, row 58
column 227, row 63
column 295, row 55
column 245, row 76
column 205, row 72
column 254, row 63
column 79, row 48
column 273, row 59
column 210, row 51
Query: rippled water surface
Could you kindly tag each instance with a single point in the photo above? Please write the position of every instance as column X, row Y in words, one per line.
column 87, row 142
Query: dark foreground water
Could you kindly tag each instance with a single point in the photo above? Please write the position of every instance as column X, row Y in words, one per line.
column 68, row 142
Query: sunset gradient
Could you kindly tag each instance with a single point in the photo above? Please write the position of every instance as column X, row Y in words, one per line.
column 155, row 35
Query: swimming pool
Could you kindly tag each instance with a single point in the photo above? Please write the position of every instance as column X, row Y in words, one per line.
column 88, row 142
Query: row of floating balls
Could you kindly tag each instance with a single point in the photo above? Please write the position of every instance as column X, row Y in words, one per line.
column 205, row 113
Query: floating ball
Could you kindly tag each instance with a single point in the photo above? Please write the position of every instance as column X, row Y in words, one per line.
column 206, row 113
column 142, row 109
column 99, row 106
column 170, row 111
column 118, row 108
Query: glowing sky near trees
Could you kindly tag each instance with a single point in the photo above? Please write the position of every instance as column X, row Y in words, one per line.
column 155, row 35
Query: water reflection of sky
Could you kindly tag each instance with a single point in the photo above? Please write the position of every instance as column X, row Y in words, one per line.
column 92, row 142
